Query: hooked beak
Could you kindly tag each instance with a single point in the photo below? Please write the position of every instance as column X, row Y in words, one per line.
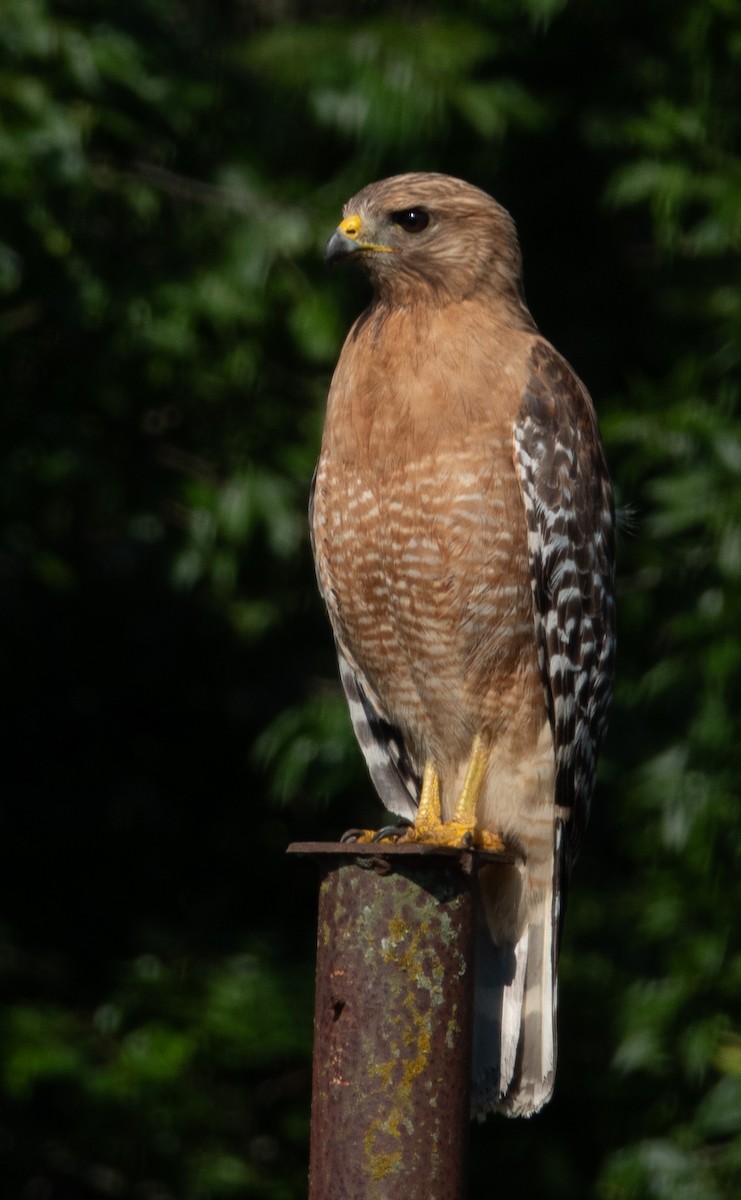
column 339, row 246
column 346, row 241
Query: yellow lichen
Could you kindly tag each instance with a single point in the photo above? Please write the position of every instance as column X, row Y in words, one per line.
column 384, row 1071
column 380, row 1163
column 397, row 928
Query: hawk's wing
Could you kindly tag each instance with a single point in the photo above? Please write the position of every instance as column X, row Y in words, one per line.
column 570, row 515
column 394, row 775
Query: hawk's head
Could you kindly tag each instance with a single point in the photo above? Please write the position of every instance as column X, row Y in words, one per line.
column 429, row 238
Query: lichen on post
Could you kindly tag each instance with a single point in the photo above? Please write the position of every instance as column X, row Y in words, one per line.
column 393, row 1021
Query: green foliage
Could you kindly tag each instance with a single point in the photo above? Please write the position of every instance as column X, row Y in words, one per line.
column 171, row 1058
column 168, row 175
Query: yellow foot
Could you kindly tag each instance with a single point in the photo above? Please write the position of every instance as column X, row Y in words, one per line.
column 429, row 828
column 453, row 833
column 444, row 833
column 461, row 831
column 389, row 833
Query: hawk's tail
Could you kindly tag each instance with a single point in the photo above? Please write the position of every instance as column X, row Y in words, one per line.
column 514, row 1050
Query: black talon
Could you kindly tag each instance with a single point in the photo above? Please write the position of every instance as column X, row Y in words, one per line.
column 352, row 835
column 392, row 833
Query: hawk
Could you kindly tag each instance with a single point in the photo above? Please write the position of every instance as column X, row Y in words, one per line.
column 462, row 526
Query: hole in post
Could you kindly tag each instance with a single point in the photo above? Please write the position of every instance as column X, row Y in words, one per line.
column 337, row 1008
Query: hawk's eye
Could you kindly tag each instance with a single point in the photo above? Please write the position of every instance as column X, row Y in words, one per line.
column 412, row 220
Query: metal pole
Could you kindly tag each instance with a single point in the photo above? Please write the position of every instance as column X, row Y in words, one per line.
column 393, row 1021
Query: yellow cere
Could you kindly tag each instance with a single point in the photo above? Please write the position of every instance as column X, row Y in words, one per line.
column 351, row 227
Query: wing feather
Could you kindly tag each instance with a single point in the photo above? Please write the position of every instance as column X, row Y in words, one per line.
column 570, row 515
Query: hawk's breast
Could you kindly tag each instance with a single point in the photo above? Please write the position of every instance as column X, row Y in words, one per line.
column 423, row 563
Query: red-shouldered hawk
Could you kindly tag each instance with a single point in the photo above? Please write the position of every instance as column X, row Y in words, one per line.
column 462, row 524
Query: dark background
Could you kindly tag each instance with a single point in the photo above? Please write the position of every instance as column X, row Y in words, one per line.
column 171, row 719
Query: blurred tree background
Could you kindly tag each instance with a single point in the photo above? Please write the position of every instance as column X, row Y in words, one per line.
column 169, row 171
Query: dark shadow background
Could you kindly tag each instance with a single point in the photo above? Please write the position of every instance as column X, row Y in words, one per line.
column 171, row 716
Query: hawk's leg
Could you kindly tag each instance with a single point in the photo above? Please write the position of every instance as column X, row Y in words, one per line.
column 464, row 813
column 429, row 816
column 461, row 829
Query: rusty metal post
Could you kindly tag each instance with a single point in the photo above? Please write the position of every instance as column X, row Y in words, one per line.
column 393, row 1021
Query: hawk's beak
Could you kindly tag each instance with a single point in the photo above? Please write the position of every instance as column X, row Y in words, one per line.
column 339, row 246
column 346, row 240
